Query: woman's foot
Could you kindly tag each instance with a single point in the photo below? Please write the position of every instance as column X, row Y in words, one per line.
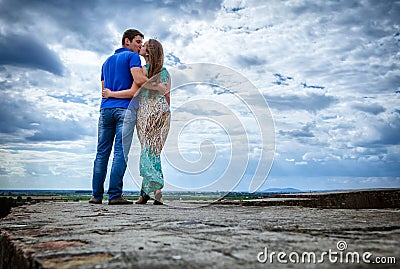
column 142, row 200
column 158, row 198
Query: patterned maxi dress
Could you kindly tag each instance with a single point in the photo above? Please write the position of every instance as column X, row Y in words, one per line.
column 153, row 121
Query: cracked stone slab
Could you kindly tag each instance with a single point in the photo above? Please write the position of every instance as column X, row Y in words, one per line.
column 82, row 235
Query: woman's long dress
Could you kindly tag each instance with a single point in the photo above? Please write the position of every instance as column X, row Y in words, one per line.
column 153, row 121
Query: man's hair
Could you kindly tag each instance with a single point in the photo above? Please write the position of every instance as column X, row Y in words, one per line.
column 130, row 34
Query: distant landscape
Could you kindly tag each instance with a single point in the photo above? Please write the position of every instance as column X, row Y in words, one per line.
column 33, row 196
column 85, row 195
column 22, row 196
column 12, row 198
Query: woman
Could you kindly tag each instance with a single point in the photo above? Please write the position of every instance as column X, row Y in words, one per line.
column 153, row 119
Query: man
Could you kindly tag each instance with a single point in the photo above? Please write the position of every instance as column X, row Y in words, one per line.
column 117, row 118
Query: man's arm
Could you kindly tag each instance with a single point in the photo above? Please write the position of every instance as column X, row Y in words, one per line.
column 138, row 77
column 128, row 93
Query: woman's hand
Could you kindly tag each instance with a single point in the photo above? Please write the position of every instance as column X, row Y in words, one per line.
column 106, row 93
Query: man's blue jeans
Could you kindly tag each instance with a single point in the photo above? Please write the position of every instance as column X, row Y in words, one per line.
column 116, row 125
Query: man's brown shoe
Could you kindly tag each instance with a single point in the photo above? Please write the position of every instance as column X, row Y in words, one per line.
column 119, row 201
column 95, row 201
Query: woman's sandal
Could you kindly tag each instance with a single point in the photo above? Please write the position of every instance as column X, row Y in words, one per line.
column 158, row 198
column 142, row 200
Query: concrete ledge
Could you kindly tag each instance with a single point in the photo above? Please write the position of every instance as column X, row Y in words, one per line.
column 80, row 235
column 362, row 199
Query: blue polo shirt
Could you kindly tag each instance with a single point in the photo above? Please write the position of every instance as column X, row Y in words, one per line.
column 116, row 73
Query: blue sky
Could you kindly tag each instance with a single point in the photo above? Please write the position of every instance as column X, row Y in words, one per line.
column 328, row 70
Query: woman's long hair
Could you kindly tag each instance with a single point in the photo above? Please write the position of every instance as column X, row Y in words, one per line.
column 156, row 58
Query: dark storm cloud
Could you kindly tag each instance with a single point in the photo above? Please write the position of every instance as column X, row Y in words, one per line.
column 306, row 7
column 372, row 10
column 26, row 51
column 374, row 108
column 85, row 24
column 24, row 120
column 305, row 131
column 13, row 116
column 250, row 60
column 364, row 22
column 390, row 131
column 74, row 24
column 386, row 130
column 52, row 129
column 309, row 102
column 192, row 8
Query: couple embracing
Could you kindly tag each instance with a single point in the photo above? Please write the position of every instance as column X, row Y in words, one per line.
column 134, row 94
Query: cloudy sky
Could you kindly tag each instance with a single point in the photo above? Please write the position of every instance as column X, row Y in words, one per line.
column 327, row 71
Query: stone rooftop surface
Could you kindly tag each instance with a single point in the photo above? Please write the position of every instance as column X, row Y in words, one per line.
column 350, row 199
column 81, row 235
